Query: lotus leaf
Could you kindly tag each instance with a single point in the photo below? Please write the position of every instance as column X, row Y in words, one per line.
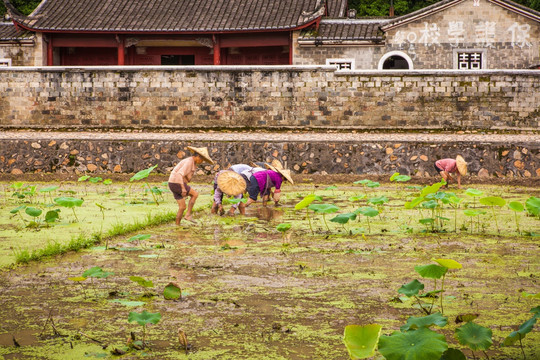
column 471, row 212
column 411, row 289
column 378, row 200
column 83, row 178
column 493, row 201
column 52, row 215
column 95, row 180
column 533, row 205
column 448, row 263
column 536, row 311
column 144, row 318
column 431, row 271
column 412, row 204
column 140, row 237
column 402, row 178
column 361, row 340
column 323, row 208
column 526, row 294
column 363, row 182
column 474, row 192
column 333, row 187
column 32, row 211
column 453, row 354
column 432, row 189
column 48, row 189
column 367, row 211
column 523, row 330
column 142, row 281
column 431, row 204
column 394, row 175
column 107, row 182
column 474, row 336
column 172, row 292
column 426, row 221
column 96, row 272
column 415, row 322
column 283, row 227
column 343, row 218
column 421, row 344
column 357, row 198
column 305, row 202
column 373, row 184
column 128, row 303
column 516, row 206
column 68, row 202
column 143, row 173
column 17, row 209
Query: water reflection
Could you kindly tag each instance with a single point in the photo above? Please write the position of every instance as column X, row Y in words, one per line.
column 266, row 213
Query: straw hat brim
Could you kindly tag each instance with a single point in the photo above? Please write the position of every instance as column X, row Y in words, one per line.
column 270, row 167
column 286, row 174
column 461, row 165
column 203, row 152
column 231, row 183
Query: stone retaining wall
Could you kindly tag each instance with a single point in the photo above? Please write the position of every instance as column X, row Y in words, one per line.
column 99, row 157
column 267, row 97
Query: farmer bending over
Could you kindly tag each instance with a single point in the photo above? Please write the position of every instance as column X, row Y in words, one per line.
column 180, row 177
column 445, row 167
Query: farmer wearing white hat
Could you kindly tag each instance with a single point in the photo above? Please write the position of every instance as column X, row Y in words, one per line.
column 180, row 177
column 261, row 183
column 445, row 167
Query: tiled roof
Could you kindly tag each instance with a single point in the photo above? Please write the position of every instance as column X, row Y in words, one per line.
column 441, row 5
column 336, row 30
column 336, row 8
column 179, row 16
column 8, row 32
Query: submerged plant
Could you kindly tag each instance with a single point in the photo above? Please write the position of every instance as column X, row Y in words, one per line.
column 144, row 319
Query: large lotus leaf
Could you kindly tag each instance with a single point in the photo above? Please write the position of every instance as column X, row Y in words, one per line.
column 431, row 204
column 431, row 189
column 453, row 354
column 361, row 340
column 363, row 182
column 411, row 288
column 473, row 212
column 140, row 237
column 143, row 173
column 431, row 271
column 343, row 218
column 415, row 322
column 402, row 178
column 52, row 215
column 414, row 203
column 523, row 330
column 493, row 201
column 533, row 205
column 48, row 189
column 367, row 211
column 283, row 227
column 68, row 202
column 323, row 208
column 373, row 184
column 144, row 318
column 379, row 200
column 394, row 175
column 474, row 336
column 32, row 211
column 17, row 209
column 421, row 344
column 141, row 281
column 516, row 206
column 448, row 263
column 172, row 292
column 473, row 192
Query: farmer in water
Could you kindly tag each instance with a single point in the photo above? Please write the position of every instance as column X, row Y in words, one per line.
column 261, row 183
column 445, row 167
column 180, row 177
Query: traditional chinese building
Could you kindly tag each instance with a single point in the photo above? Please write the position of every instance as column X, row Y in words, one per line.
column 451, row 34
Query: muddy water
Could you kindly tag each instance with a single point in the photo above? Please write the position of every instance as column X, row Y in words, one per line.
column 251, row 293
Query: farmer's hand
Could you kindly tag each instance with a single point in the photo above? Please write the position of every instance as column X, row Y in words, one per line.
column 277, row 196
column 184, row 192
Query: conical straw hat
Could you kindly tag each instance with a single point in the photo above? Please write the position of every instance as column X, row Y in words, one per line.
column 461, row 165
column 231, row 183
column 277, row 167
column 203, row 152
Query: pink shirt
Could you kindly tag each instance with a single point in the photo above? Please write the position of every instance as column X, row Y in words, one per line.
column 183, row 171
column 448, row 165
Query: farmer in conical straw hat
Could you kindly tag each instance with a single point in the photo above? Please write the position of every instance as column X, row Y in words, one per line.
column 445, row 167
column 261, row 183
column 180, row 177
column 242, row 170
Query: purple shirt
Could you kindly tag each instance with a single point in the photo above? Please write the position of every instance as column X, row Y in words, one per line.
column 448, row 165
column 262, row 176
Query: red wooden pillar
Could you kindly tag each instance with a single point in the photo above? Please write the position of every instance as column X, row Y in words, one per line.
column 50, row 57
column 217, row 50
column 121, row 51
column 291, row 48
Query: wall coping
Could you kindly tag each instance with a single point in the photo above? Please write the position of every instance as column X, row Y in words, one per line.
column 222, row 68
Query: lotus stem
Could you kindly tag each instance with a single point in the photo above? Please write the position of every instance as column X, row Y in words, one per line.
column 495, row 216
column 442, row 294
column 420, row 303
column 325, row 223
column 76, row 218
column 153, row 195
column 24, row 222
column 309, row 220
column 485, row 353
column 433, row 300
column 521, row 346
column 369, row 226
column 517, row 222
